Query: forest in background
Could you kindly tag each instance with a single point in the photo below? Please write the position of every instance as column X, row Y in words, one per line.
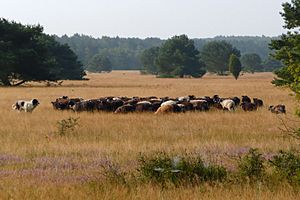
column 124, row 53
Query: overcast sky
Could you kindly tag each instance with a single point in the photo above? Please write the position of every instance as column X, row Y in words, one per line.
column 149, row 18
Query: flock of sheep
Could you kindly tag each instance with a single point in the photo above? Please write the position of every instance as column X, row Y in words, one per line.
column 160, row 105
column 151, row 104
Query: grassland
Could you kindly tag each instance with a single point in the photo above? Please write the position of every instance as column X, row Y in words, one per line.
column 36, row 163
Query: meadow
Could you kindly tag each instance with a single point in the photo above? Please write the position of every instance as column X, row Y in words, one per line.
column 37, row 163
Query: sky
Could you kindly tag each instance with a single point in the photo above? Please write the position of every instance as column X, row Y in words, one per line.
column 149, row 18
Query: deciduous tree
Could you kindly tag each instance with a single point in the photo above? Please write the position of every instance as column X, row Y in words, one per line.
column 216, row 55
column 251, row 62
column 178, row 56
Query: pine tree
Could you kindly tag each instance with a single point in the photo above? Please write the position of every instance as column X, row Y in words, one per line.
column 235, row 66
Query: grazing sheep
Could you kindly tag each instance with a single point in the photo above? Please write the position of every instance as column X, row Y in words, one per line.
column 208, row 100
column 236, row 100
column 186, row 106
column 85, row 105
column 155, row 106
column 217, row 106
column 228, row 104
column 125, row 109
column 27, row 106
column 169, row 102
column 258, row 102
column 114, row 104
column 169, row 108
column 201, row 105
column 248, row 106
column 246, row 99
column 216, row 99
column 143, row 106
column 65, row 103
column 277, row 109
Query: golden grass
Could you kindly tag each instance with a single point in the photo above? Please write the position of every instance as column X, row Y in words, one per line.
column 122, row 137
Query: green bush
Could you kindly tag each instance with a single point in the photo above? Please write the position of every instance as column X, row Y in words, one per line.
column 251, row 166
column 65, row 126
column 163, row 168
column 287, row 166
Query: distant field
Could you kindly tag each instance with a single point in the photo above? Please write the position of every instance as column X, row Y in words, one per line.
column 36, row 163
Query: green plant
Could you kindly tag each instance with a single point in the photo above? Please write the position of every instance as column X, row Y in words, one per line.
column 235, row 66
column 251, row 166
column 65, row 126
column 287, row 166
column 163, row 168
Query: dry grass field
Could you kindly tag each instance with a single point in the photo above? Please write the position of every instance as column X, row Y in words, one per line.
column 36, row 163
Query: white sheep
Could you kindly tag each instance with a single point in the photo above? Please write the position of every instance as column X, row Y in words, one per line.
column 228, row 104
column 170, row 102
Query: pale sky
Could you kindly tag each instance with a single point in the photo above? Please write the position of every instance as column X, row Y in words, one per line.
column 149, row 18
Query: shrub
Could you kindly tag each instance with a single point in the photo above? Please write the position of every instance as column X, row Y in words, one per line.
column 65, row 126
column 287, row 166
column 251, row 166
column 163, row 168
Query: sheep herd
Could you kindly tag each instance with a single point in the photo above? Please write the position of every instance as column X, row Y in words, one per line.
column 163, row 104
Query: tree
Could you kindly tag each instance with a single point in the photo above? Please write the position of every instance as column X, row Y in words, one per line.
column 125, row 53
column 148, row 58
column 235, row 66
column 99, row 63
column 66, row 60
column 27, row 54
column 216, row 55
column 251, row 62
column 287, row 48
column 178, row 56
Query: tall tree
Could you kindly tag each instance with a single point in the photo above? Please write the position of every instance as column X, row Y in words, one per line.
column 287, row 48
column 216, row 55
column 178, row 56
column 27, row 54
column 251, row 62
column 235, row 66
column 66, row 61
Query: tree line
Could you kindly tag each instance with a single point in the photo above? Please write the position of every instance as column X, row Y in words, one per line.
column 219, row 57
column 28, row 54
column 126, row 53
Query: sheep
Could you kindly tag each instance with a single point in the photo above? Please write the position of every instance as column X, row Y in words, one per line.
column 169, row 102
column 168, row 108
column 258, row 102
column 125, row 109
column 248, row 106
column 277, row 109
column 228, row 104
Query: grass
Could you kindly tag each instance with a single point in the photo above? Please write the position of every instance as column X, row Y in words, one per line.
column 35, row 162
